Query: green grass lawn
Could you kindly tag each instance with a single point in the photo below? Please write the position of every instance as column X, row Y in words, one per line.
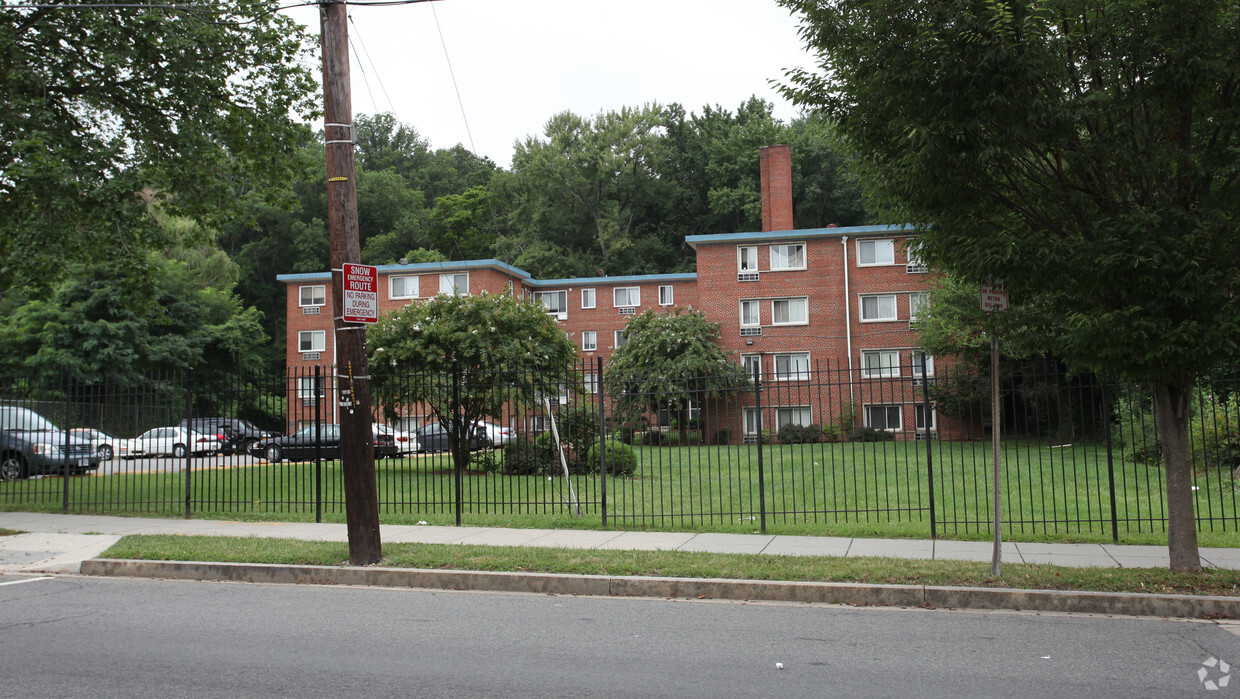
column 880, row 489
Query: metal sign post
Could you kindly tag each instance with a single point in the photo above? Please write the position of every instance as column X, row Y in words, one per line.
column 994, row 299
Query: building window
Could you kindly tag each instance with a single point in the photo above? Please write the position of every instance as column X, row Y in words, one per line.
column 556, row 302
column 878, row 307
column 917, row 302
column 309, row 388
column 591, row 383
column 919, row 418
column 315, row 295
column 923, row 365
column 752, row 421
column 799, row 416
column 915, row 263
column 790, row 311
column 589, row 340
column 454, row 284
column 665, row 294
column 312, row 341
column 789, row 256
column 875, row 252
column 621, row 339
column 587, row 298
column 751, row 314
column 883, row 417
column 747, row 258
column 880, row 364
column 792, row 367
column 752, row 363
column 403, row 287
column 627, row 296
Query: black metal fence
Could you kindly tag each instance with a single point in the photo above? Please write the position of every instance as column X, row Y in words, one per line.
column 884, row 449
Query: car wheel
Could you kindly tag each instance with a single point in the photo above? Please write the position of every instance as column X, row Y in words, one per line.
column 105, row 452
column 273, row 453
column 179, row 451
column 12, row 467
column 248, row 445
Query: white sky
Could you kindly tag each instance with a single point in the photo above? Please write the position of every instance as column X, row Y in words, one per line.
column 519, row 62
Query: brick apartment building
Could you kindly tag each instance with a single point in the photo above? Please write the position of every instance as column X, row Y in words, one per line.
column 788, row 302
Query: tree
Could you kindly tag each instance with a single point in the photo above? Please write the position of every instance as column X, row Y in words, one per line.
column 465, row 357
column 670, row 360
column 1084, row 153
column 106, row 107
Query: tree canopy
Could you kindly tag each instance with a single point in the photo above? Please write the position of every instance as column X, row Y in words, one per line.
column 1086, row 154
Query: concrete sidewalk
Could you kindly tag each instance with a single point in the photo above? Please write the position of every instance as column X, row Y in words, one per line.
column 59, row 543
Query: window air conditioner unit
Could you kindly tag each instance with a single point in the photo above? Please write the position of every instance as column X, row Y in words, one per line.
column 750, row 439
column 309, row 356
column 751, row 332
column 310, row 310
column 917, row 269
column 628, row 311
column 747, row 277
column 923, row 435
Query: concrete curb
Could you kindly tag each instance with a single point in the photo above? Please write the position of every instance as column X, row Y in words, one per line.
column 1129, row 604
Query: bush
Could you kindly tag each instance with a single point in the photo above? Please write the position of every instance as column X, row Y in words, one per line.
column 578, row 426
column 869, row 434
column 799, row 434
column 723, row 436
column 832, row 433
column 527, row 459
column 1136, row 432
column 621, row 461
column 488, row 460
column 1214, row 431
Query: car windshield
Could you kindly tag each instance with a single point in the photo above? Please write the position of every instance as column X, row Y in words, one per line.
column 21, row 419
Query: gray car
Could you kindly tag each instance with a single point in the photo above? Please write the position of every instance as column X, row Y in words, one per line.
column 30, row 445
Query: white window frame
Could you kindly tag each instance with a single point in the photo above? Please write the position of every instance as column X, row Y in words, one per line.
column 589, row 340
column 620, row 339
column 917, row 371
column 747, row 258
column 913, row 260
column 406, row 277
column 317, row 338
column 587, row 298
column 666, row 295
column 879, row 319
column 784, row 412
column 796, row 366
column 590, row 383
column 917, row 300
column 780, row 252
column 319, row 299
column 881, row 251
column 309, row 388
column 803, row 301
column 919, row 414
column 631, row 293
column 756, row 307
column 542, row 297
column 888, row 410
column 749, row 361
column 448, row 279
column 751, row 421
column 887, row 366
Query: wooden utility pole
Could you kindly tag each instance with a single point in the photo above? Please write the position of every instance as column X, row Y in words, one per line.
column 352, row 371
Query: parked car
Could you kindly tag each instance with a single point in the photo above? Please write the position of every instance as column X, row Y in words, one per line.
column 405, row 443
column 432, row 437
column 31, row 445
column 173, row 441
column 237, row 436
column 498, row 436
column 105, row 445
column 300, row 446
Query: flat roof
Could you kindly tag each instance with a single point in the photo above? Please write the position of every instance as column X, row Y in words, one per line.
column 836, row 232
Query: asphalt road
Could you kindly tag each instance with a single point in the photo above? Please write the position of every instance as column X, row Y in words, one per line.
column 77, row 637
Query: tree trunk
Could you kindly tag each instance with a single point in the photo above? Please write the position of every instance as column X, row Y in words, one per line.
column 1171, row 403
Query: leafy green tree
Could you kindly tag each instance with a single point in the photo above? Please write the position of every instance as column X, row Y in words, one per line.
column 670, row 360
column 106, row 107
column 490, row 345
column 460, row 224
column 1084, row 153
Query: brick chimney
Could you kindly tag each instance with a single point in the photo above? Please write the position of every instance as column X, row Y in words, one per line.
column 776, row 166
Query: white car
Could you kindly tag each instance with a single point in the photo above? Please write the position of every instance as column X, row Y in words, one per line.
column 172, row 441
column 406, row 442
column 498, row 436
column 105, row 445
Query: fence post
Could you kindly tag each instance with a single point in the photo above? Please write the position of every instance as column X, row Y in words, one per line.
column 926, row 416
column 189, row 446
column 64, row 504
column 602, row 438
column 757, row 399
column 1106, row 419
column 315, row 390
column 464, row 433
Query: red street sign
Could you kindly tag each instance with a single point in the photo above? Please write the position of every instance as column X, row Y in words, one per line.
column 994, row 297
column 360, row 284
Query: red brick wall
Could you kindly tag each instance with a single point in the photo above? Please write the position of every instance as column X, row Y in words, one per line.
column 775, row 163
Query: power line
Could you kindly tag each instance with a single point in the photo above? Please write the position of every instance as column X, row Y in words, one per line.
column 378, row 76
column 452, row 73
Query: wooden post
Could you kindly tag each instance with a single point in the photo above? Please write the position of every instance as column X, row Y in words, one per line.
column 357, row 453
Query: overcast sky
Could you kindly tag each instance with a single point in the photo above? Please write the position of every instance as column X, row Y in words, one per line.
column 518, row 62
